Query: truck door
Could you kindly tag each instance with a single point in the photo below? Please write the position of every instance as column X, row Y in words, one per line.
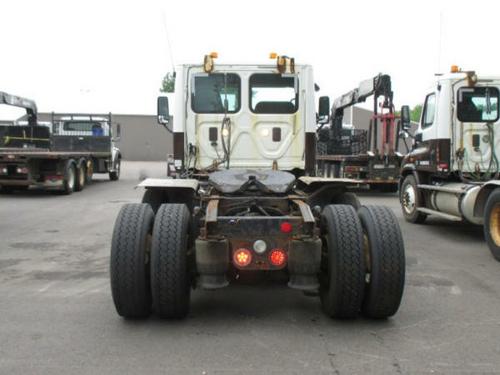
column 427, row 121
column 425, row 153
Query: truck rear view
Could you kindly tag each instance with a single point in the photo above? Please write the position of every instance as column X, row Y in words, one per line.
column 242, row 201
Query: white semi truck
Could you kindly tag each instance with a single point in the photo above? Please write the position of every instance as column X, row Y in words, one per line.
column 453, row 170
column 242, row 200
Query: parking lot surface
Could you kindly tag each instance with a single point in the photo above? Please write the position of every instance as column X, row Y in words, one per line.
column 57, row 315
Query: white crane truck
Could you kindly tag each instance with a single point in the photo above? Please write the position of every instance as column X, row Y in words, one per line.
column 453, row 170
column 242, row 200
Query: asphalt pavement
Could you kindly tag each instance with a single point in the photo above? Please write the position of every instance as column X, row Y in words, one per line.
column 57, row 316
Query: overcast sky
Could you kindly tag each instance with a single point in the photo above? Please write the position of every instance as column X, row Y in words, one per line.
column 101, row 56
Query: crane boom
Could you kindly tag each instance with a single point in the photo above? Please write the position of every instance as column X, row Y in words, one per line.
column 17, row 101
column 380, row 85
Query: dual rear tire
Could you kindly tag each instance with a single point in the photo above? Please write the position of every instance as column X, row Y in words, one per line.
column 363, row 262
column 362, row 270
column 149, row 261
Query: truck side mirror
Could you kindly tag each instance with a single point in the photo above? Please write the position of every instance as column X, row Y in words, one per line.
column 163, row 114
column 405, row 118
column 324, row 109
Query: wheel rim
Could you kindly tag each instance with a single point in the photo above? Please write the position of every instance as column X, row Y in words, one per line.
column 495, row 224
column 81, row 176
column 71, row 178
column 409, row 199
column 117, row 169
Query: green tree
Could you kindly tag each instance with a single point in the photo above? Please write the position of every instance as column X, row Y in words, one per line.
column 168, row 83
column 415, row 113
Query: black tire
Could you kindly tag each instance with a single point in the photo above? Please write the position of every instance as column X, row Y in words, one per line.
column 386, row 267
column 348, row 198
column 170, row 278
column 342, row 279
column 129, row 263
column 115, row 175
column 411, row 199
column 80, row 177
column 69, row 180
column 492, row 223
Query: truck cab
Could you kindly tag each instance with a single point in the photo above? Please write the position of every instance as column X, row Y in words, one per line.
column 243, row 116
column 453, row 168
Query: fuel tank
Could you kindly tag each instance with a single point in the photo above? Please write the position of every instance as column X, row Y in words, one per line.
column 458, row 200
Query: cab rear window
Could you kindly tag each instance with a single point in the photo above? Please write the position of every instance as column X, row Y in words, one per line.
column 477, row 104
column 273, row 93
column 216, row 93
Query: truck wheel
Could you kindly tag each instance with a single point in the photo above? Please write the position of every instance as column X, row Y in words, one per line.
column 410, row 199
column 115, row 175
column 492, row 223
column 80, row 177
column 89, row 171
column 170, row 282
column 69, row 178
column 342, row 278
column 348, row 198
column 129, row 263
column 385, row 254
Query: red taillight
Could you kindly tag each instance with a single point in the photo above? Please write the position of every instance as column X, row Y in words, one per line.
column 242, row 257
column 285, row 227
column 277, row 257
column 443, row 166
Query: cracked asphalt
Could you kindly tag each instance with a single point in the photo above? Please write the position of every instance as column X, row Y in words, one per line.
column 57, row 316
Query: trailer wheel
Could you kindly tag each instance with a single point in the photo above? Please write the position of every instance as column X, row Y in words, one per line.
column 115, row 175
column 492, row 223
column 129, row 263
column 385, row 260
column 410, row 199
column 170, row 281
column 342, row 278
column 69, row 178
column 81, row 177
column 348, row 198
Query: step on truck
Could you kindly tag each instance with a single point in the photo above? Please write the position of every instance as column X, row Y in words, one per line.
column 370, row 155
column 453, row 169
column 243, row 203
column 60, row 155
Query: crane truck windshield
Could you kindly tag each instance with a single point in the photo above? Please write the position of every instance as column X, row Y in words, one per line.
column 478, row 104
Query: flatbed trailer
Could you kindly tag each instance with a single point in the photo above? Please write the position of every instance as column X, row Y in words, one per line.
column 62, row 155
